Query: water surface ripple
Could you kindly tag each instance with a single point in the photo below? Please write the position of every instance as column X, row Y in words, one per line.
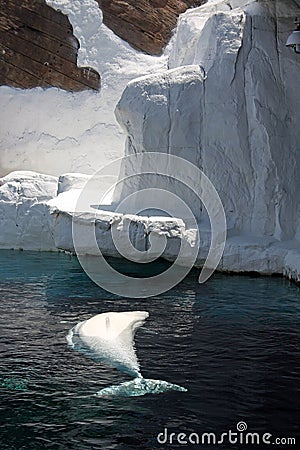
column 233, row 342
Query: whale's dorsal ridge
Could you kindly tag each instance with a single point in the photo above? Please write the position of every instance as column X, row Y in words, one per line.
column 107, row 323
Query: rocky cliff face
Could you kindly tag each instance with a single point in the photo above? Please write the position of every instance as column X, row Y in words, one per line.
column 53, row 131
column 147, row 24
column 38, row 48
column 240, row 123
column 236, row 119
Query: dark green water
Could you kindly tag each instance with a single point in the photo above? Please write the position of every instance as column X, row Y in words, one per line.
column 233, row 342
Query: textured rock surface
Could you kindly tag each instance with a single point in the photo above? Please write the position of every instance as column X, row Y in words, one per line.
column 53, row 131
column 25, row 221
column 163, row 113
column 240, row 123
column 148, row 24
column 105, row 223
column 37, row 48
column 34, row 217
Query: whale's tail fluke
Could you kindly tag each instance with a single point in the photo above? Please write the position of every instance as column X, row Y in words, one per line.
column 139, row 386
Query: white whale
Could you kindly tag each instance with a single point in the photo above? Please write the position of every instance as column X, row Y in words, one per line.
column 109, row 338
column 138, row 387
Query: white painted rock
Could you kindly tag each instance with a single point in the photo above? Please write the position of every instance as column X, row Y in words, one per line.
column 229, row 105
column 24, row 213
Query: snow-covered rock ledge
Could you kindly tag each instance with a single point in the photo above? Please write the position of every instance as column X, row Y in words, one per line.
column 36, row 213
column 25, row 220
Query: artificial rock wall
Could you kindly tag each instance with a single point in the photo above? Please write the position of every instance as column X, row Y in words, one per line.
column 236, row 115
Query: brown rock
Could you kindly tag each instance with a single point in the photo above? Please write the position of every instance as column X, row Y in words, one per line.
column 145, row 24
column 38, row 48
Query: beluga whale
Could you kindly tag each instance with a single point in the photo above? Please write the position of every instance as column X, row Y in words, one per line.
column 109, row 338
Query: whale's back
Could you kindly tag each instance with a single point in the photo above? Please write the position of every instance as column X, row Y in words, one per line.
column 113, row 324
column 109, row 337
